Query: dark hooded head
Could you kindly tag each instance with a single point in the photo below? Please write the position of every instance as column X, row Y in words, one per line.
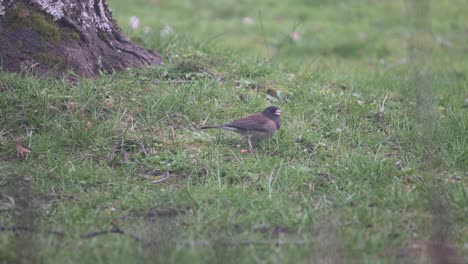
column 272, row 112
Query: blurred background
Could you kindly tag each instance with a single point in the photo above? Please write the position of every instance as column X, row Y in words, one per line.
column 307, row 33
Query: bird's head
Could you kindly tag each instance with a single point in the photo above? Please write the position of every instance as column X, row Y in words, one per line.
column 272, row 111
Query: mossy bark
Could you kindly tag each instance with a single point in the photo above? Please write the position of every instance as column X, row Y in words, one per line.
column 56, row 37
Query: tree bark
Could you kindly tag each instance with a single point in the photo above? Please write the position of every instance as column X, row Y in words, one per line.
column 56, row 37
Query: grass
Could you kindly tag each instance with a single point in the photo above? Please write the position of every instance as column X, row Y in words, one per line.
column 336, row 184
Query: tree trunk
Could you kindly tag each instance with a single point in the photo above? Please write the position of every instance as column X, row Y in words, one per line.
column 56, row 37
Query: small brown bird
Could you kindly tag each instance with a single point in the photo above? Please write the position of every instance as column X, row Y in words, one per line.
column 255, row 127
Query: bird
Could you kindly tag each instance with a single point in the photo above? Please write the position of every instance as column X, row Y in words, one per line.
column 256, row 126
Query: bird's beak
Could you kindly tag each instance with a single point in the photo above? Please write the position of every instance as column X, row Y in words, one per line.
column 278, row 112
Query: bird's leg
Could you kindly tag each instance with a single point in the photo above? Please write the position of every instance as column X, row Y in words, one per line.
column 250, row 145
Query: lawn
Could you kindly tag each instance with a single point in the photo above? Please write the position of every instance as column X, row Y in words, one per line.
column 370, row 164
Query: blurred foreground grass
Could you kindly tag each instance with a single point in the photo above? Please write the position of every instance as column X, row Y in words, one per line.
column 369, row 166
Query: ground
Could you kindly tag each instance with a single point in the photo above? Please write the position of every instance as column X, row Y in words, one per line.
column 369, row 165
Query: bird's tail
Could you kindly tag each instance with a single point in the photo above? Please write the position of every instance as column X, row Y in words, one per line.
column 207, row 127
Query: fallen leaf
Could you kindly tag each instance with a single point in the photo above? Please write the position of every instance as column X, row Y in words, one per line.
column 88, row 126
column 21, row 150
column 109, row 102
column 271, row 98
column 24, row 13
column 399, row 164
column 455, row 179
column 69, row 106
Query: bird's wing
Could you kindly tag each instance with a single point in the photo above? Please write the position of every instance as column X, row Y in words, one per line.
column 255, row 122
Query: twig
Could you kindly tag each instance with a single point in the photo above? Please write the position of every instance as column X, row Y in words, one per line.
column 17, row 229
column 173, row 137
column 139, row 162
column 243, row 242
column 143, row 148
column 125, row 156
column 379, row 116
column 382, row 106
column 29, row 132
column 112, row 230
column 166, row 175
column 116, row 230
column 156, row 82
